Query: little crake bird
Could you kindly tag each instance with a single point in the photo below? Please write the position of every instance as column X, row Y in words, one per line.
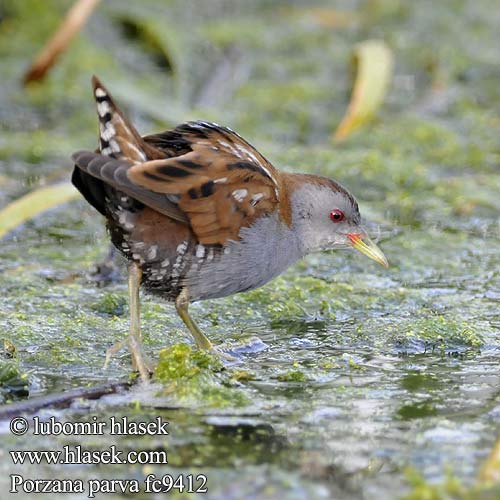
column 199, row 213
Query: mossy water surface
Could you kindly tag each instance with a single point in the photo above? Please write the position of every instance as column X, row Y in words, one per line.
column 368, row 372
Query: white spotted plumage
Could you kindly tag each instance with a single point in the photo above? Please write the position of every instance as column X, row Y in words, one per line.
column 239, row 194
column 103, row 108
column 107, row 131
column 99, row 92
column 255, row 198
column 179, row 261
column 200, row 251
column 152, row 252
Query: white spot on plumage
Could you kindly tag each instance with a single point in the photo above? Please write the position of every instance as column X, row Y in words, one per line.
column 210, row 255
column 227, row 250
column 176, row 269
column 239, row 194
column 247, row 153
column 99, row 92
column 103, row 108
column 151, row 255
column 256, row 197
column 138, row 257
column 233, row 150
column 179, row 261
column 125, row 220
column 114, row 146
column 106, row 151
column 221, row 179
column 200, row 251
column 157, row 273
column 165, row 263
column 182, row 247
column 107, row 131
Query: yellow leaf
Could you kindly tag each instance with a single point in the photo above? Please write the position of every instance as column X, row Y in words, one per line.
column 373, row 67
column 34, row 203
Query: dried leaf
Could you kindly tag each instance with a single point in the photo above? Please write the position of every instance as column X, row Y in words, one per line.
column 373, row 67
column 34, row 203
column 70, row 26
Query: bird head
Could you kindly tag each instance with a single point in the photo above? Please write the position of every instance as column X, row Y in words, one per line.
column 327, row 217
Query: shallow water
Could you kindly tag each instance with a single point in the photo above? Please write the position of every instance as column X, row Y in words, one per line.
column 368, row 372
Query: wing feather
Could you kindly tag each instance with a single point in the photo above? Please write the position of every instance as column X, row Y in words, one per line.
column 223, row 183
column 199, row 173
column 113, row 172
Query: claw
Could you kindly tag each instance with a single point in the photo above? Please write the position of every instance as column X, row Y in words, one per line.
column 110, row 352
column 140, row 362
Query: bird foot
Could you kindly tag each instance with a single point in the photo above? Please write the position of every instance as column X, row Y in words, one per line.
column 140, row 362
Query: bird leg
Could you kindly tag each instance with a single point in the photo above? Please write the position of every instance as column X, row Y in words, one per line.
column 182, row 305
column 134, row 339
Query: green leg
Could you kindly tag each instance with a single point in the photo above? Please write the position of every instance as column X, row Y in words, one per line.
column 134, row 339
column 182, row 305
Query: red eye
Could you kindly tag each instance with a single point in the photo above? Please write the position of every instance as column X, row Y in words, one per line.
column 336, row 215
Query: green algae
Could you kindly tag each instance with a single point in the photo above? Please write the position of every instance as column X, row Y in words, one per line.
column 111, row 304
column 451, row 488
column 292, row 376
column 13, row 382
column 196, row 376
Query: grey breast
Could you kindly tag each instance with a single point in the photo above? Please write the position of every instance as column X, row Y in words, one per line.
column 264, row 251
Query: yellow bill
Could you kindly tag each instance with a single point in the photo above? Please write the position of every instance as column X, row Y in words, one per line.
column 364, row 244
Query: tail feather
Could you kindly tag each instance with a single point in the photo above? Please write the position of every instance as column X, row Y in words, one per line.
column 117, row 136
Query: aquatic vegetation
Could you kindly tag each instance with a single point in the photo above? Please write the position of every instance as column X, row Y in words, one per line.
column 194, row 377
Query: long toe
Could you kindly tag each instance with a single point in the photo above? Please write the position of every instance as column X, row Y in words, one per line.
column 140, row 362
column 110, row 352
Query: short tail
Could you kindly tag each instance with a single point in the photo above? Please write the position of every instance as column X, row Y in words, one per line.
column 117, row 136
